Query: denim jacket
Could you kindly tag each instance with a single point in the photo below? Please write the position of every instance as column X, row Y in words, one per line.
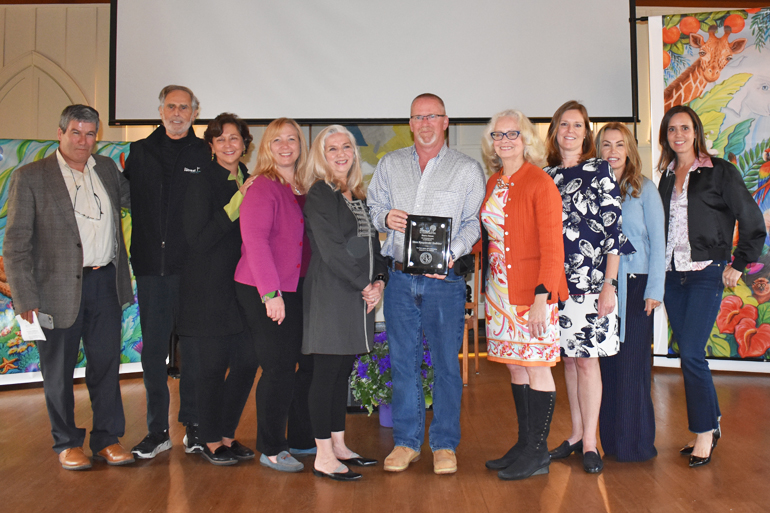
column 644, row 225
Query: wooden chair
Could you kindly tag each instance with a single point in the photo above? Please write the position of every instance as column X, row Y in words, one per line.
column 472, row 320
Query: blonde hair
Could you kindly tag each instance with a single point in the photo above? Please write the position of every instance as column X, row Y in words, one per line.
column 632, row 172
column 552, row 145
column 534, row 149
column 266, row 160
column 319, row 169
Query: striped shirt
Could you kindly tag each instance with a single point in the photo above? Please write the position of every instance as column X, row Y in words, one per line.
column 452, row 185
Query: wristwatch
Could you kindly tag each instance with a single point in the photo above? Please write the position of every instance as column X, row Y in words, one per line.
column 611, row 281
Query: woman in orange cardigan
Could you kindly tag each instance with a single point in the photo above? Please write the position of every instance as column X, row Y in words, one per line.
column 522, row 216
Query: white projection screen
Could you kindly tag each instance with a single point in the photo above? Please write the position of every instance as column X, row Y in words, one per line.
column 321, row 61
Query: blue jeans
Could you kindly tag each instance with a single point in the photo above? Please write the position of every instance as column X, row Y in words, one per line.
column 692, row 303
column 415, row 304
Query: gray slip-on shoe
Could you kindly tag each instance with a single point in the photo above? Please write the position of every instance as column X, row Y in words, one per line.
column 285, row 462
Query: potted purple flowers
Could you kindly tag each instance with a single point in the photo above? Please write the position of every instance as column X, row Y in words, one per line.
column 370, row 381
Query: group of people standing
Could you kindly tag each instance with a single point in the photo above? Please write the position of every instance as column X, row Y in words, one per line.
column 588, row 295
column 282, row 269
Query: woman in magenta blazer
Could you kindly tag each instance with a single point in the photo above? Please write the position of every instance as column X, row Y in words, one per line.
column 274, row 258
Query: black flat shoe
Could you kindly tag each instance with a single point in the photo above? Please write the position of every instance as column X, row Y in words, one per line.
column 221, row 456
column 565, row 449
column 697, row 461
column 339, row 476
column 592, row 462
column 240, row 451
column 359, row 461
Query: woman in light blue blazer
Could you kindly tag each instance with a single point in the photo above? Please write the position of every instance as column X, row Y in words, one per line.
column 627, row 419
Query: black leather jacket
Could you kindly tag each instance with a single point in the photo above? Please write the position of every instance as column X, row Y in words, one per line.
column 717, row 197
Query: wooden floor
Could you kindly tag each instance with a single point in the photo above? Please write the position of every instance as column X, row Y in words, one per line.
column 735, row 481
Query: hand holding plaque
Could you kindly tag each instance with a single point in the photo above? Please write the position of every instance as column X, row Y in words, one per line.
column 426, row 244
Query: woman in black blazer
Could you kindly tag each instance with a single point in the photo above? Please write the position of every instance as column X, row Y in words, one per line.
column 344, row 283
column 210, row 320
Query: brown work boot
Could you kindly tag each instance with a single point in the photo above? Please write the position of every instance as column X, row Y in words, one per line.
column 115, row 454
column 74, row 459
column 400, row 458
column 444, row 461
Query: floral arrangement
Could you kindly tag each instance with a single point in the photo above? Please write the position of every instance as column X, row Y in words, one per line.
column 370, row 380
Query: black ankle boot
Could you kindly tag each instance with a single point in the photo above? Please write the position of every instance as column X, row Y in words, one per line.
column 520, row 398
column 534, row 459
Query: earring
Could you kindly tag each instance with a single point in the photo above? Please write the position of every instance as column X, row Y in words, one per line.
column 244, row 153
column 213, row 157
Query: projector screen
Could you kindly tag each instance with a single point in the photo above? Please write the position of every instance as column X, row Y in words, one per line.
column 321, row 61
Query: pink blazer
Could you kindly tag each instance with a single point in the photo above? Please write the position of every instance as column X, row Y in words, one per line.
column 273, row 232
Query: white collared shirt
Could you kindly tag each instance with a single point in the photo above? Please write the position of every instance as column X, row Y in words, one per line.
column 93, row 212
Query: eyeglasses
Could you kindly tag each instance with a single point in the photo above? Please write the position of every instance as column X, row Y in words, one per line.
column 97, row 202
column 511, row 134
column 429, row 117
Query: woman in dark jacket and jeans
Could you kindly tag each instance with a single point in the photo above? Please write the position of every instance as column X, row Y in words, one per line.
column 702, row 197
column 211, row 322
column 345, row 280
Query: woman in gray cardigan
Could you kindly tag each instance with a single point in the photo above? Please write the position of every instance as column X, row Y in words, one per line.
column 626, row 418
column 344, row 283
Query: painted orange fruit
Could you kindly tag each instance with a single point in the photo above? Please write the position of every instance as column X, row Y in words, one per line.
column 735, row 22
column 670, row 35
column 688, row 25
column 666, row 60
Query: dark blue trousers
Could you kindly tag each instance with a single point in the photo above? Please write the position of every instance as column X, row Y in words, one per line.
column 692, row 303
column 99, row 324
column 627, row 417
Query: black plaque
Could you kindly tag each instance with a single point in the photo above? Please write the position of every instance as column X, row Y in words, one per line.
column 426, row 244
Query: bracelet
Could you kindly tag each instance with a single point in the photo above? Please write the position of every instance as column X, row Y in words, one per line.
column 271, row 295
column 611, row 281
column 386, row 219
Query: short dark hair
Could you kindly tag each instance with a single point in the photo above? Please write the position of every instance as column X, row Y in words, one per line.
column 667, row 155
column 171, row 88
column 82, row 113
column 553, row 153
column 217, row 125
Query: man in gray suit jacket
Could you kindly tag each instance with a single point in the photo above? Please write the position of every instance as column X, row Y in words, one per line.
column 65, row 257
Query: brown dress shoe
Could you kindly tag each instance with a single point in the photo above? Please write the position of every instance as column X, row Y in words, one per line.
column 74, row 459
column 115, row 454
column 444, row 461
column 400, row 458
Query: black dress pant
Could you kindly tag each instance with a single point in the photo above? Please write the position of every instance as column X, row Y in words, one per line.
column 158, row 306
column 221, row 395
column 282, row 390
column 99, row 324
column 329, row 393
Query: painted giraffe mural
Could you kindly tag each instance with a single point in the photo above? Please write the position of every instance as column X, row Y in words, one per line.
column 714, row 54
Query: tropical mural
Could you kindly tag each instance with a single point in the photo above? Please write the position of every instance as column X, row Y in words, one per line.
column 19, row 356
column 718, row 63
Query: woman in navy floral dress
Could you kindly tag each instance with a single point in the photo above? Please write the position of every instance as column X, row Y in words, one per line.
column 592, row 245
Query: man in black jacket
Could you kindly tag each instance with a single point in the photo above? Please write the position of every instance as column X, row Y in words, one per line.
column 158, row 169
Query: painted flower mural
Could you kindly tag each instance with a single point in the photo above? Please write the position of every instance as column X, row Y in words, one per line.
column 19, row 356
